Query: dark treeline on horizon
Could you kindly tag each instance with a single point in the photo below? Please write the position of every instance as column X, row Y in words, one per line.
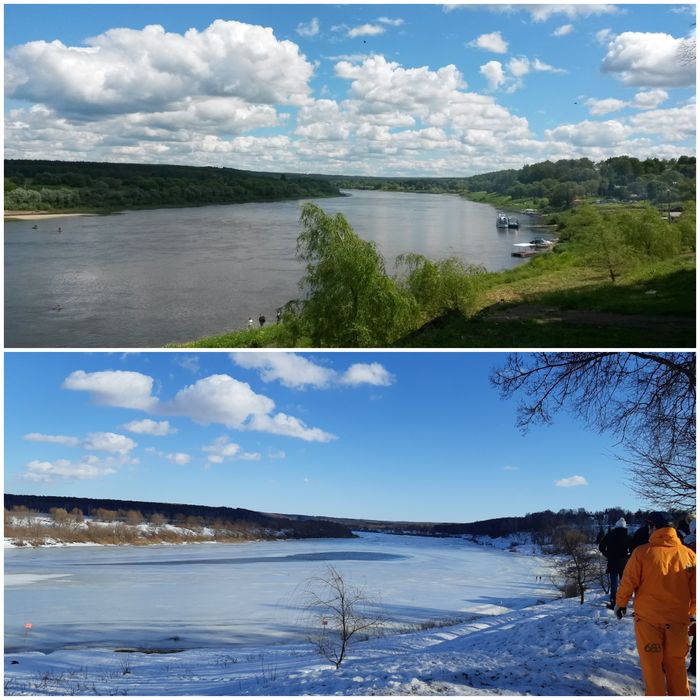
column 64, row 185
column 68, row 185
column 179, row 512
column 542, row 523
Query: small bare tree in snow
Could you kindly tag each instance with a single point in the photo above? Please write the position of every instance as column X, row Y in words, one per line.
column 577, row 565
column 338, row 613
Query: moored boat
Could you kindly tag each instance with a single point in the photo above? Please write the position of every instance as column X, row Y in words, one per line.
column 513, row 222
column 501, row 221
column 523, row 250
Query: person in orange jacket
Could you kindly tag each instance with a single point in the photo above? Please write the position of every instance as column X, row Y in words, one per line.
column 661, row 575
column 690, row 542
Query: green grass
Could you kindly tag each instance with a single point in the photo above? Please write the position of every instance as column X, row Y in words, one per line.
column 657, row 299
column 662, row 287
column 663, row 290
column 671, row 294
column 456, row 331
column 271, row 337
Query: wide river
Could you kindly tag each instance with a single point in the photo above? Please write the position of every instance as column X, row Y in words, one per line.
column 147, row 278
column 209, row 595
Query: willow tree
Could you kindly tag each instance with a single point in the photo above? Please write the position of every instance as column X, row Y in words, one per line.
column 349, row 300
column 440, row 286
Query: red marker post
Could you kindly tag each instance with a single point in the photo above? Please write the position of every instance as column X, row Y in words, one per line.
column 27, row 627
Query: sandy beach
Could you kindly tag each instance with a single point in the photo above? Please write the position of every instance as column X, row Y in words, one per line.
column 37, row 215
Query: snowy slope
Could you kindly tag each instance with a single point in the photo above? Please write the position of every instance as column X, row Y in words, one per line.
column 558, row 648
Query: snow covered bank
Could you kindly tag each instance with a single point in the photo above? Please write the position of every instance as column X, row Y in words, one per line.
column 558, row 648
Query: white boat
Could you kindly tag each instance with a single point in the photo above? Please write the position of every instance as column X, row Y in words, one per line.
column 513, row 222
column 523, row 250
column 502, row 221
column 541, row 243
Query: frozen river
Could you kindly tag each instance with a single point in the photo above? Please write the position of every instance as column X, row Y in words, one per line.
column 247, row 594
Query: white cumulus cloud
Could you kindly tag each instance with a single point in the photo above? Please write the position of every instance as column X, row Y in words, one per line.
column 570, row 481
column 109, row 442
column 137, row 70
column 297, row 372
column 149, row 427
column 292, row 370
column 674, row 124
column 373, row 374
column 54, row 439
column 311, row 28
column 589, row 133
column 397, row 22
column 366, row 30
column 541, row 13
column 564, row 30
column 222, row 449
column 223, row 399
column 493, row 72
column 174, row 457
column 493, row 42
column 114, row 388
column 648, row 59
column 283, row 424
column 604, row 106
column 218, row 399
column 649, row 99
column 90, row 467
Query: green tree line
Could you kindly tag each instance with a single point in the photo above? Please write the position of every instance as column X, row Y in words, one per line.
column 558, row 184
column 60, row 185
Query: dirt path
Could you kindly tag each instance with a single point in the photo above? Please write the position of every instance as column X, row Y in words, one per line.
column 547, row 314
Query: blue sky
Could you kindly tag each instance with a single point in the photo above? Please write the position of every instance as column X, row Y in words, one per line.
column 357, row 89
column 410, row 436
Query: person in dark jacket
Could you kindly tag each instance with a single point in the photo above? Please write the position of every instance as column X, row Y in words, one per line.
column 641, row 536
column 615, row 547
column 690, row 542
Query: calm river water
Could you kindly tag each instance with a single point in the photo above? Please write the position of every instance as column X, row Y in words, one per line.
column 147, row 278
column 246, row 594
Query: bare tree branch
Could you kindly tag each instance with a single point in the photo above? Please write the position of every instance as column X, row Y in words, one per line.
column 645, row 399
column 338, row 614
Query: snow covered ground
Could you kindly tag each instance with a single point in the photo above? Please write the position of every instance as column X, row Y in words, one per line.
column 558, row 648
column 505, row 644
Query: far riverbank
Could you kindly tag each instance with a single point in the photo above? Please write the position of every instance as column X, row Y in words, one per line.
column 40, row 215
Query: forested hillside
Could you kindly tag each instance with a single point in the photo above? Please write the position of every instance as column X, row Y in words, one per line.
column 558, row 184
column 59, row 185
column 621, row 178
column 179, row 514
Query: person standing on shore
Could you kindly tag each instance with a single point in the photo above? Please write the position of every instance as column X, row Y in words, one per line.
column 661, row 576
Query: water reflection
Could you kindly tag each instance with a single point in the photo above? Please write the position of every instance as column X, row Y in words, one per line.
column 147, row 278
